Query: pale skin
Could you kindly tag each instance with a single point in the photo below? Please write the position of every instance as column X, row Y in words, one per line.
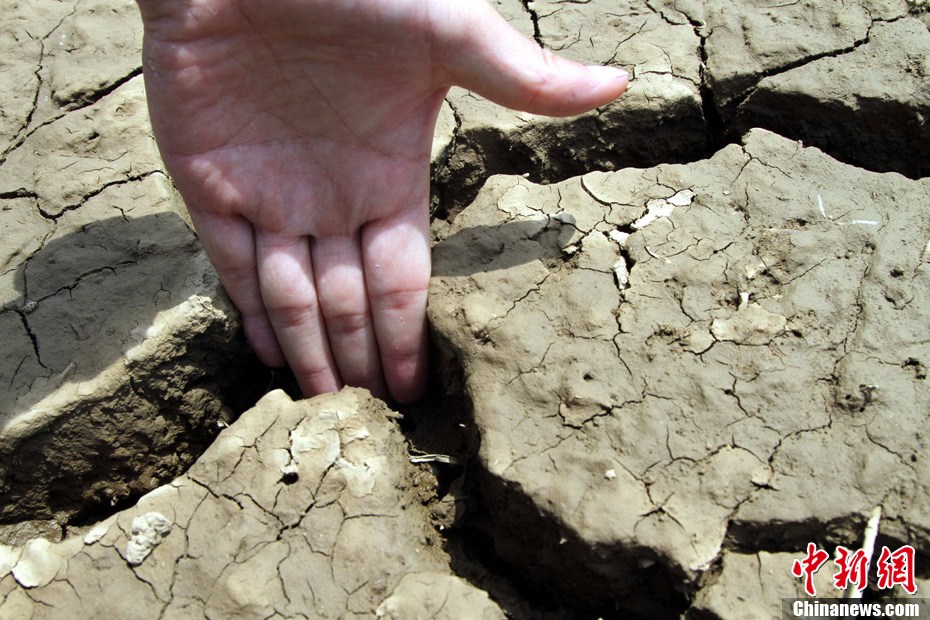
column 299, row 134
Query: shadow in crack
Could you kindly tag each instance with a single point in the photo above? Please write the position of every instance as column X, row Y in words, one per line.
column 503, row 542
column 878, row 135
column 479, row 249
column 627, row 133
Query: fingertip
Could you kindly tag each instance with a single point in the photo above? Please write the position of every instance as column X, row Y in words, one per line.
column 593, row 86
column 407, row 382
column 611, row 81
column 314, row 383
column 406, row 373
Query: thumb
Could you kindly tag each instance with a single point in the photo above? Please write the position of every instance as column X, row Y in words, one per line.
column 491, row 58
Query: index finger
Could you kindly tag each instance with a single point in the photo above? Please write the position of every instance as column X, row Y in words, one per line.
column 229, row 242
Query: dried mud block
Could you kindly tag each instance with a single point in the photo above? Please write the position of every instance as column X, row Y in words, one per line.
column 63, row 163
column 849, row 78
column 830, row 73
column 298, row 509
column 62, row 56
column 122, row 350
column 745, row 42
column 663, row 100
column 752, row 586
column 869, row 107
column 437, row 595
column 23, row 30
column 97, row 47
column 737, row 366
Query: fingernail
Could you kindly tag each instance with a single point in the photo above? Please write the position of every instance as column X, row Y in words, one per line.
column 606, row 73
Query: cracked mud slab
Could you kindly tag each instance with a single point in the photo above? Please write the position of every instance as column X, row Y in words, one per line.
column 664, row 363
column 878, row 93
column 828, row 73
column 663, row 100
column 297, row 510
column 61, row 56
column 113, row 318
column 709, row 347
column 849, row 78
column 76, row 156
column 117, row 333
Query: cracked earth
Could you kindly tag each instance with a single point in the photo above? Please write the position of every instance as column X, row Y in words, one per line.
column 677, row 339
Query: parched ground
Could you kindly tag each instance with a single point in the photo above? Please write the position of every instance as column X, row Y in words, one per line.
column 677, row 339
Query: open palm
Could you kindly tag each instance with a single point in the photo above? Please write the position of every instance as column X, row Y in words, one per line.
column 299, row 134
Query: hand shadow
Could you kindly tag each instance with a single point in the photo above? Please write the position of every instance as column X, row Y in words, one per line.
column 87, row 297
column 485, row 248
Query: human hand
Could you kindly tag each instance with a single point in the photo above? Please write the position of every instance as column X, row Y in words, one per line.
column 299, row 134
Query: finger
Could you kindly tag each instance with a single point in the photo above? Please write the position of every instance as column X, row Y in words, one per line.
column 340, row 281
column 229, row 242
column 397, row 266
column 490, row 57
column 289, row 294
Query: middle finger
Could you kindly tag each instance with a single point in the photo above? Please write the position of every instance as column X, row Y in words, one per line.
column 289, row 293
column 340, row 280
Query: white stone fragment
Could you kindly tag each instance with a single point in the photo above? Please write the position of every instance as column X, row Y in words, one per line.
column 148, row 531
column 663, row 207
column 619, row 236
column 743, row 299
column 9, row 556
column 96, row 533
column 360, row 478
column 321, row 443
column 37, row 565
column 861, row 223
column 621, row 273
column 753, row 269
column 356, row 434
column 682, row 198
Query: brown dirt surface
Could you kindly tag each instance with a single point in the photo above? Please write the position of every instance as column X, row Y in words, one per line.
column 677, row 339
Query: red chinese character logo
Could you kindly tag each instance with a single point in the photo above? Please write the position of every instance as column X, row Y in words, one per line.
column 853, row 568
column 897, row 569
column 808, row 566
